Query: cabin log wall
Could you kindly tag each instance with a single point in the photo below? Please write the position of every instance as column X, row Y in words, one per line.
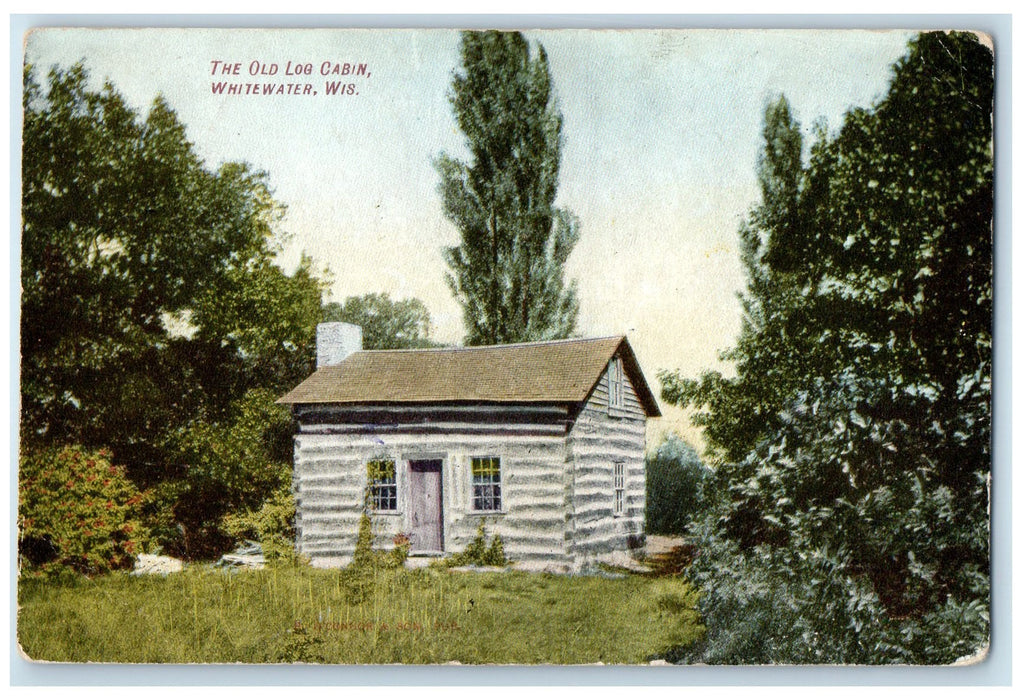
column 334, row 445
column 600, row 437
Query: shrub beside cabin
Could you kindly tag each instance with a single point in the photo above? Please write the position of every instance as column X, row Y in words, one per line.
column 545, row 441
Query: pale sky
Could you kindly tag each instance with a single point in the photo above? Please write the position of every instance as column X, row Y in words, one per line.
column 661, row 133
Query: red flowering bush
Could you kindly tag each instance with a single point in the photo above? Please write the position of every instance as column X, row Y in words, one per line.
column 76, row 511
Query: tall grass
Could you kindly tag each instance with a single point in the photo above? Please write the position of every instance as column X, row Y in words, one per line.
column 286, row 614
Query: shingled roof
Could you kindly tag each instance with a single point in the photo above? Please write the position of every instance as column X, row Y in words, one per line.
column 562, row 371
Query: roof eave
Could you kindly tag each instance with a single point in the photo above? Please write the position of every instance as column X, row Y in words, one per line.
column 642, row 390
column 555, row 401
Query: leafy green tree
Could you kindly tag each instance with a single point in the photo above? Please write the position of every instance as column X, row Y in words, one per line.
column 508, row 271
column 676, row 485
column 141, row 270
column 151, row 302
column 230, row 467
column 854, row 527
column 740, row 410
column 386, row 324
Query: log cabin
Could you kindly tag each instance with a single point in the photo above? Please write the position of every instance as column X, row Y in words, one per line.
column 544, row 440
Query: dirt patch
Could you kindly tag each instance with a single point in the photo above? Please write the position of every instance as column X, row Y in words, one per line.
column 668, row 556
column 662, row 544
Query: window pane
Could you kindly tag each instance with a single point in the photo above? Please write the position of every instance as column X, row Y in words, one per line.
column 382, row 484
column 619, row 488
column 486, row 483
column 485, row 467
column 381, row 469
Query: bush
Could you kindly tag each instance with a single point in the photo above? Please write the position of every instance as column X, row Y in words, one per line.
column 477, row 553
column 399, row 554
column 298, row 647
column 676, row 488
column 773, row 605
column 360, row 577
column 811, row 601
column 494, row 555
column 76, row 512
column 272, row 524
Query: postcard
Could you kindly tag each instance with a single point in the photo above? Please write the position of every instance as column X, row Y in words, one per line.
column 545, row 347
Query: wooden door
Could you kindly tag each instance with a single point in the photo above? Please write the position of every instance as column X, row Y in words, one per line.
column 426, row 505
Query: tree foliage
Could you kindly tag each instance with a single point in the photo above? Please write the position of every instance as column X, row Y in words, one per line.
column 230, row 467
column 151, row 303
column 676, row 485
column 386, row 324
column 854, row 438
column 508, row 271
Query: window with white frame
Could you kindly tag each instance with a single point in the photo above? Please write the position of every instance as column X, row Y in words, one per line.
column 615, row 384
column 382, row 485
column 486, row 483
column 619, row 488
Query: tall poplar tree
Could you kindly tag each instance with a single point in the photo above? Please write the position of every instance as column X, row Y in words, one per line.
column 739, row 410
column 508, row 271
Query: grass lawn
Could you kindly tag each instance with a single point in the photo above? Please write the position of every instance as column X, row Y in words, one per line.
column 284, row 614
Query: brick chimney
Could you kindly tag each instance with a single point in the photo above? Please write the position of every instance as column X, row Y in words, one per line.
column 335, row 341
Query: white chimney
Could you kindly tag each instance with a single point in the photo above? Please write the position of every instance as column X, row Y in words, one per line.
column 335, row 341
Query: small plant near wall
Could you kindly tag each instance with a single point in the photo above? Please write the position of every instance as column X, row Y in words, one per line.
column 402, row 545
column 367, row 564
column 478, row 553
column 494, row 555
column 363, row 557
column 359, row 578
